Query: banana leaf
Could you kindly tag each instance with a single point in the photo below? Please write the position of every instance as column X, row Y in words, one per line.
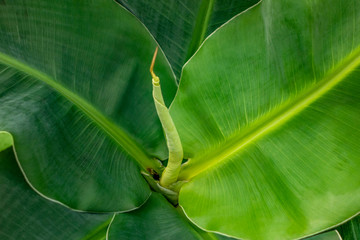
column 27, row 215
column 75, row 95
column 268, row 114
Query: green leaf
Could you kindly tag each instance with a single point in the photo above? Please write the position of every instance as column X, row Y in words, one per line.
column 181, row 26
column 157, row 219
column 6, row 140
column 331, row 235
column 268, row 113
column 26, row 215
column 75, row 93
column 350, row 230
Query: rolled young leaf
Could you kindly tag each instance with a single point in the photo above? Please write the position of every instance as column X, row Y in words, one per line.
column 171, row 172
column 75, row 95
column 268, row 113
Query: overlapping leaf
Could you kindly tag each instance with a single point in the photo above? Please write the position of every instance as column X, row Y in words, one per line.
column 331, row 235
column 181, row 26
column 350, row 230
column 268, row 112
column 26, row 215
column 76, row 96
column 156, row 219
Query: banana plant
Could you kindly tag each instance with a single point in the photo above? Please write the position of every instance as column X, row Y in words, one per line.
column 244, row 124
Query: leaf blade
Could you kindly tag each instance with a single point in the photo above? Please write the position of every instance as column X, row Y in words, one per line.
column 157, row 219
column 110, row 128
column 65, row 77
column 281, row 183
column 26, row 215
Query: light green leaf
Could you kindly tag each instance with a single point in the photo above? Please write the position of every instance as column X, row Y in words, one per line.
column 6, row 140
column 157, row 219
column 268, row 112
column 25, row 215
column 350, row 230
column 181, row 26
column 75, row 94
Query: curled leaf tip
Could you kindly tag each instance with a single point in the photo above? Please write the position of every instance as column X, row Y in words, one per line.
column 153, row 63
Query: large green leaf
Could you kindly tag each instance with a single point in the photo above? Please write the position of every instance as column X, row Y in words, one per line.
column 76, row 96
column 181, row 26
column 26, row 216
column 268, row 112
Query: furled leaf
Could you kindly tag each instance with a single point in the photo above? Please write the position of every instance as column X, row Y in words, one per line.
column 268, row 113
column 25, row 215
column 181, row 26
column 350, row 230
column 157, row 219
column 76, row 96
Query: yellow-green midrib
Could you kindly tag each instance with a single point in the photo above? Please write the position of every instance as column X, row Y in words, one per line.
column 273, row 120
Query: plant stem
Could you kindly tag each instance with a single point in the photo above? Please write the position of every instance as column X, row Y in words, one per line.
column 171, row 172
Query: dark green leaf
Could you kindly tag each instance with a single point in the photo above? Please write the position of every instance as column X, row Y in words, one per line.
column 25, row 215
column 181, row 26
column 350, row 230
column 75, row 93
column 331, row 235
column 157, row 219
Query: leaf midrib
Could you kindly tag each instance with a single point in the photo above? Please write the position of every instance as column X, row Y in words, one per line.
column 273, row 120
column 111, row 129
